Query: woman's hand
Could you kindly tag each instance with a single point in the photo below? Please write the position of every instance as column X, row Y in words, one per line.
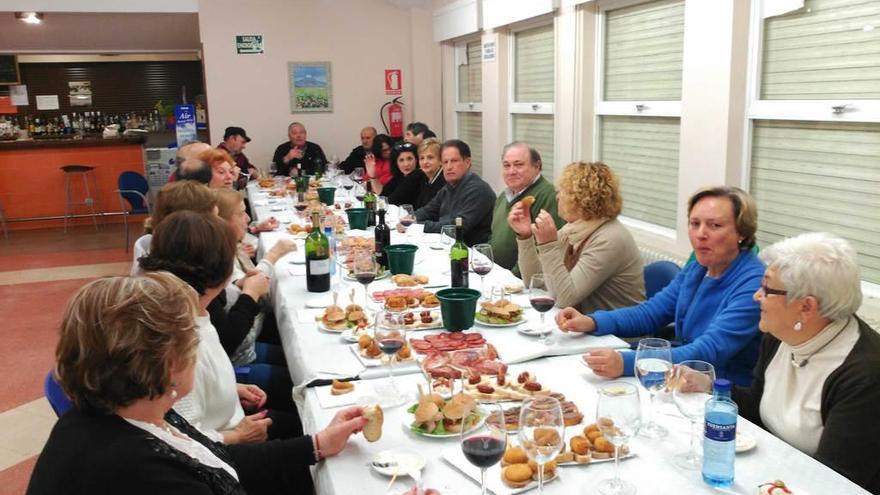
column 571, row 320
column 544, row 228
column 251, row 397
column 281, row 248
column 251, row 429
column 256, row 285
column 248, row 249
column 370, row 165
column 333, row 438
column 268, row 225
column 606, row 363
column 520, row 220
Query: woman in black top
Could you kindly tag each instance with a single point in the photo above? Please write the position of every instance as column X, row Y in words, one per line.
column 403, row 189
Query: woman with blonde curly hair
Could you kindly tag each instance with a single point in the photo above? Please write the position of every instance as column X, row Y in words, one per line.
column 592, row 262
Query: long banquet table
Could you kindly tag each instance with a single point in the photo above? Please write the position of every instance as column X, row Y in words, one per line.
column 312, row 353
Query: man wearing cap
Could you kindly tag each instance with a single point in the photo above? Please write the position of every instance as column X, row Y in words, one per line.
column 234, row 142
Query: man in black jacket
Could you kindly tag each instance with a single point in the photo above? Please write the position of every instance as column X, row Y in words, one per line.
column 356, row 157
column 298, row 154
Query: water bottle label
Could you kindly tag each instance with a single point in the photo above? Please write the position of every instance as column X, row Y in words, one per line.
column 719, row 432
column 319, row 267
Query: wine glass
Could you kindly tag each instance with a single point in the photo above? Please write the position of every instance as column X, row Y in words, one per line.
column 364, row 269
column 542, row 300
column 407, row 216
column 484, row 446
column 358, row 175
column 618, row 416
column 482, row 262
column 541, row 430
column 692, row 387
column 653, row 366
column 347, row 184
column 390, row 336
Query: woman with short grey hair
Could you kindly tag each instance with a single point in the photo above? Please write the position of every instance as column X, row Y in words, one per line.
column 817, row 381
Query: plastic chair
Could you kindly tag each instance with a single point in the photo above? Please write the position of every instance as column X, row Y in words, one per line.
column 55, row 395
column 658, row 275
column 133, row 189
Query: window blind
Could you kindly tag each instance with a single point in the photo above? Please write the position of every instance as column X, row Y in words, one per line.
column 534, row 65
column 470, row 75
column 470, row 130
column 819, row 176
column 830, row 49
column 537, row 132
column 643, row 52
column 643, row 152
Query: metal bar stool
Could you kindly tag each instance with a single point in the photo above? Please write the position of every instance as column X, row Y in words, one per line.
column 86, row 172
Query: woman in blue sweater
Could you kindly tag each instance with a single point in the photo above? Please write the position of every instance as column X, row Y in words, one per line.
column 710, row 301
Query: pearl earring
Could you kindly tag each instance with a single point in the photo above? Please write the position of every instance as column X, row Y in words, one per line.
column 798, row 326
column 173, row 391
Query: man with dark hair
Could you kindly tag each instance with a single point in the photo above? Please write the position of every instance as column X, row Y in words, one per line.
column 234, row 142
column 416, row 132
column 356, row 157
column 465, row 195
column 297, row 154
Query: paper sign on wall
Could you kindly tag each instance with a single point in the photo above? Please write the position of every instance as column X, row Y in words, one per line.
column 489, row 51
column 186, row 123
column 393, row 82
column 249, row 44
column 47, row 102
column 19, row 95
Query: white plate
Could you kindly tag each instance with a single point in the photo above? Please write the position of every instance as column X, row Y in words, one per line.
column 324, row 328
column 408, row 419
column 349, row 336
column 455, row 457
column 498, row 325
column 376, row 362
column 534, row 332
column 406, row 462
column 744, row 442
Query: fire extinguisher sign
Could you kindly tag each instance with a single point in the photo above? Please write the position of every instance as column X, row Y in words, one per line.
column 393, row 82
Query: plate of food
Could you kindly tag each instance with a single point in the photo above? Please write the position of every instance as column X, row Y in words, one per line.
column 409, row 300
column 380, row 274
column 352, row 335
column 500, row 313
column 744, row 442
column 590, row 446
column 396, row 462
column 337, row 320
column 403, row 280
column 422, row 320
column 368, row 352
column 436, row 417
column 516, row 473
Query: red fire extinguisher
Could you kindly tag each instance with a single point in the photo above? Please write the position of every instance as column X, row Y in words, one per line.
column 394, row 126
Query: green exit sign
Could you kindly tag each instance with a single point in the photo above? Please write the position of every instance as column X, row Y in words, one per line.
column 249, row 43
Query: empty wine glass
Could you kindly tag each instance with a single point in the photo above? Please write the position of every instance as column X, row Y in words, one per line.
column 364, row 268
column 390, row 336
column 447, row 238
column 692, row 387
column 653, row 367
column 347, row 184
column 482, row 262
column 542, row 300
column 541, row 430
column 484, row 446
column 618, row 416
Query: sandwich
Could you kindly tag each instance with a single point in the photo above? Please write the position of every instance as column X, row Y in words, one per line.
column 334, row 318
column 500, row 312
column 373, row 429
column 341, row 388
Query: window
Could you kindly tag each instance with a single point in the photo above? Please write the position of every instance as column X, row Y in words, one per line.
column 814, row 111
column 468, row 107
column 533, row 81
column 639, row 106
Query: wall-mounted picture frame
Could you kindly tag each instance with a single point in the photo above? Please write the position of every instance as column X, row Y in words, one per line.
column 310, row 87
column 9, row 70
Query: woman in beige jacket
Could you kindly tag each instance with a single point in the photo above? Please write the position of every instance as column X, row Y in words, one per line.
column 592, row 262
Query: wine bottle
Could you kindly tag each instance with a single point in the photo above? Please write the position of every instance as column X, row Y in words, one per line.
column 370, row 204
column 458, row 258
column 317, row 258
column 383, row 239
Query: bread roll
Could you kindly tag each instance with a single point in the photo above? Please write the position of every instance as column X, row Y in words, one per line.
column 373, row 430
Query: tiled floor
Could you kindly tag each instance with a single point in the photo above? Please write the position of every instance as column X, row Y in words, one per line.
column 39, row 271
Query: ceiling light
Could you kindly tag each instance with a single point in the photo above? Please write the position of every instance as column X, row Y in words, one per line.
column 29, row 17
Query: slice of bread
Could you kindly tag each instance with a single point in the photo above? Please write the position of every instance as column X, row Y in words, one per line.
column 373, row 430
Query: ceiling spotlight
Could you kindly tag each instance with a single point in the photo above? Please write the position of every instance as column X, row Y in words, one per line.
column 29, row 17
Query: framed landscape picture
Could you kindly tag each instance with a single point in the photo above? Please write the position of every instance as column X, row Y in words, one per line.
column 310, row 87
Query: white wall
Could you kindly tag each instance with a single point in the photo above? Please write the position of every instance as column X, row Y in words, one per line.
column 360, row 38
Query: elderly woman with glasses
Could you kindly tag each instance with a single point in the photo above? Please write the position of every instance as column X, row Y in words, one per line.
column 817, row 381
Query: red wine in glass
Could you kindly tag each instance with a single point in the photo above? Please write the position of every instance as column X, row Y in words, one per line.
column 391, row 345
column 482, row 270
column 365, row 277
column 300, row 207
column 359, row 197
column 542, row 304
column 483, row 452
column 407, row 221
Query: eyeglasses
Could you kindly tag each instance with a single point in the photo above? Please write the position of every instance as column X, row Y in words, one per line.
column 772, row 292
column 404, row 147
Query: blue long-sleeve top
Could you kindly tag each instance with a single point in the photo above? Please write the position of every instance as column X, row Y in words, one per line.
column 716, row 319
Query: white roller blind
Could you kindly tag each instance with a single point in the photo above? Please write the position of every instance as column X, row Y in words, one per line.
column 537, row 131
column 819, row 176
column 643, row 52
column 470, row 75
column 534, row 65
column 643, row 151
column 830, row 49
column 470, row 130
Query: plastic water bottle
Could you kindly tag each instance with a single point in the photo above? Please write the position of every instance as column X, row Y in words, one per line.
column 330, row 232
column 719, row 445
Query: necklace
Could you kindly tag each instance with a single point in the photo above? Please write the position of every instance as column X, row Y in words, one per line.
column 806, row 360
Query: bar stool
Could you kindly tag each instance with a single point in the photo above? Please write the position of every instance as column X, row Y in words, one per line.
column 88, row 175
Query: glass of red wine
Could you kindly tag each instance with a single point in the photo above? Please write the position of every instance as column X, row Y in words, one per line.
column 390, row 336
column 482, row 262
column 364, row 269
column 484, row 446
column 542, row 300
column 407, row 216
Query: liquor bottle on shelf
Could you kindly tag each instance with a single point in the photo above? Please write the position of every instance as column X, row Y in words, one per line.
column 370, row 204
column 458, row 258
column 383, row 238
column 719, row 444
column 317, row 258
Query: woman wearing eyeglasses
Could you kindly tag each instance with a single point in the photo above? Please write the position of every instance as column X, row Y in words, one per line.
column 404, row 187
column 817, row 381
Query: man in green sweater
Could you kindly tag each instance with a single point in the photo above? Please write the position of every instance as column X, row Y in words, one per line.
column 521, row 170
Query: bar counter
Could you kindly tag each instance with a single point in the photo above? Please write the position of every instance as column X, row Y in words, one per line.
column 32, row 183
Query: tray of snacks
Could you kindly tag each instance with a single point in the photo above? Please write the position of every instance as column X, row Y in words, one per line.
column 590, row 446
column 368, row 353
column 516, row 473
column 408, row 298
column 403, row 280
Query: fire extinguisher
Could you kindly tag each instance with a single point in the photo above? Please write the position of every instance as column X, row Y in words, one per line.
column 394, row 126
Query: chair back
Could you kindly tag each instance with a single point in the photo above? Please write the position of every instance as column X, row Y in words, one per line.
column 55, row 395
column 128, row 183
column 658, row 275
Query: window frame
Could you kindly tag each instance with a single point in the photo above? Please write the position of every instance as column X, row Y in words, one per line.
column 460, row 53
column 530, row 108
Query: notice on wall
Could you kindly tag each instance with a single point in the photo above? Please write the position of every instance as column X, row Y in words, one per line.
column 393, row 82
column 489, row 51
column 19, row 95
column 47, row 102
column 185, row 116
column 249, row 44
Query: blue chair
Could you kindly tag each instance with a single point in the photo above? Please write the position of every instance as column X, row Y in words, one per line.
column 55, row 395
column 658, row 275
column 133, row 189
